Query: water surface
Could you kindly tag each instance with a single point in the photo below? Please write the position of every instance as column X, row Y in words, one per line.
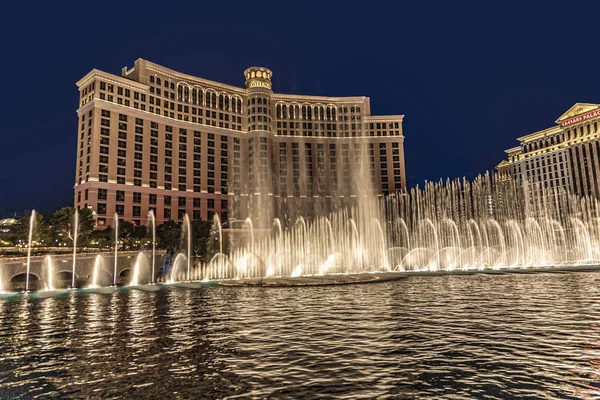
column 480, row 336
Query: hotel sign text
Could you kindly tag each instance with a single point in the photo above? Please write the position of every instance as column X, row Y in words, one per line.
column 580, row 118
column 260, row 84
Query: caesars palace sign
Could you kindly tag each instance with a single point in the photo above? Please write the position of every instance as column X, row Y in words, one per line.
column 580, row 118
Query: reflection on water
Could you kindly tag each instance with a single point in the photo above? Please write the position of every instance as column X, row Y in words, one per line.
column 511, row 336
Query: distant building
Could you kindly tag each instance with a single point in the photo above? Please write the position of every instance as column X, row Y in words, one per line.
column 7, row 224
column 157, row 139
column 563, row 156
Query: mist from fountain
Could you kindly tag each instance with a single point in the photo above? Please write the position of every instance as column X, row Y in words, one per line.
column 179, row 268
column 140, row 271
column 48, row 269
column 456, row 225
column 100, row 277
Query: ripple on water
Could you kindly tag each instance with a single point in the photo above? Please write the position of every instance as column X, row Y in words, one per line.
column 478, row 336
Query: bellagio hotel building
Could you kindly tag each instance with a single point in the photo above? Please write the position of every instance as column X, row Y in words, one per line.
column 154, row 139
column 565, row 156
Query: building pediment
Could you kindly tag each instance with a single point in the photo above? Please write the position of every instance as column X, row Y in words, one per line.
column 577, row 109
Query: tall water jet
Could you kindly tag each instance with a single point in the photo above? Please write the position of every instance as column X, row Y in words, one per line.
column 152, row 221
column 217, row 227
column 188, row 232
column 75, row 235
column 96, row 271
column 248, row 221
column 180, row 261
column 29, row 244
column 116, row 248
column 140, row 267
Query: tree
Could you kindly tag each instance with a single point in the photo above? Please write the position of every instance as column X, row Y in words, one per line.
column 203, row 241
column 41, row 233
column 132, row 236
column 63, row 222
column 168, row 235
column 102, row 238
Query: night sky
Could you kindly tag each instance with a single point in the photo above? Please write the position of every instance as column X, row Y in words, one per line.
column 469, row 78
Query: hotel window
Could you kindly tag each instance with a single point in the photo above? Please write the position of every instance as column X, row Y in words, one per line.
column 120, row 210
column 102, row 194
column 137, row 211
column 101, row 209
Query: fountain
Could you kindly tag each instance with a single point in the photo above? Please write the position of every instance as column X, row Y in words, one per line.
column 152, row 221
column 116, row 248
column 181, row 261
column 139, row 277
column 139, row 268
column 100, row 278
column 29, row 244
column 75, row 235
column 457, row 227
column 187, row 231
column 217, row 225
column 49, row 270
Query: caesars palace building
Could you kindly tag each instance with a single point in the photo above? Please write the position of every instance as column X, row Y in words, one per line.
column 564, row 156
column 154, row 139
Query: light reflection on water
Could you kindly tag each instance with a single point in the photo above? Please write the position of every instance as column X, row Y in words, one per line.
column 481, row 336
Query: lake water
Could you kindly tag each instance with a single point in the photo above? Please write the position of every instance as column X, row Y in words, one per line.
column 479, row 336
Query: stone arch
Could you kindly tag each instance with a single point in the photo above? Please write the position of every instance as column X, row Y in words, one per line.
column 18, row 281
column 103, row 271
column 24, row 274
column 64, row 274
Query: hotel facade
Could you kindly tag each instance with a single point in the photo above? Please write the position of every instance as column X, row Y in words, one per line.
column 565, row 156
column 154, row 139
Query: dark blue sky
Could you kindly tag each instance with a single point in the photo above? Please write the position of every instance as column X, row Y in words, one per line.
column 470, row 78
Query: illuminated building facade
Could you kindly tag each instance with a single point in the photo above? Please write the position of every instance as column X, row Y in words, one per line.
column 154, row 139
column 564, row 156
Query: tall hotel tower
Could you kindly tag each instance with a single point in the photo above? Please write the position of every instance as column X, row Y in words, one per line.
column 154, row 139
